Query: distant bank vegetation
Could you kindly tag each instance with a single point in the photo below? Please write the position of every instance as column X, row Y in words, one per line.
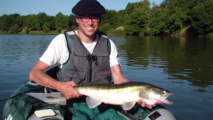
column 171, row 17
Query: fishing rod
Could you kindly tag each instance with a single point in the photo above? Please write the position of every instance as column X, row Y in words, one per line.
column 18, row 95
column 49, row 71
column 29, row 83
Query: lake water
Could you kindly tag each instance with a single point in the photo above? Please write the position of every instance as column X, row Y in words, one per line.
column 181, row 65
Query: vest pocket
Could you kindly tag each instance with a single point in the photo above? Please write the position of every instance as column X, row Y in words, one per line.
column 77, row 76
column 71, row 75
column 102, row 75
column 80, row 61
column 103, row 62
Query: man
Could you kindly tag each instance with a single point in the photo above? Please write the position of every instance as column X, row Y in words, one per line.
column 82, row 65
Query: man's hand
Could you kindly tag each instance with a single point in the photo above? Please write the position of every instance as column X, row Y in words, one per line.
column 140, row 102
column 66, row 88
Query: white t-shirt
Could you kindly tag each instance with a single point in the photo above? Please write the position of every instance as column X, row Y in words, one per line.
column 57, row 52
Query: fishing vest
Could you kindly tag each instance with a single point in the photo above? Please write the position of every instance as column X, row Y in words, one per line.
column 83, row 67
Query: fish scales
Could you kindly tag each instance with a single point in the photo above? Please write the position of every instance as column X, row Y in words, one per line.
column 126, row 94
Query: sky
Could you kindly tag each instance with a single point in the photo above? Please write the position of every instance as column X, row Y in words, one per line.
column 52, row 7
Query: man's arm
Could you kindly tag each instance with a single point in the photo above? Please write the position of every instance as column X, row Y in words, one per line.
column 120, row 78
column 118, row 75
column 38, row 75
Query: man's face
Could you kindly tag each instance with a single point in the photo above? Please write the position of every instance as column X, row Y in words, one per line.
column 88, row 24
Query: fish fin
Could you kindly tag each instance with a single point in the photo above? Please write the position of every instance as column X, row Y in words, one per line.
column 128, row 105
column 92, row 103
column 144, row 94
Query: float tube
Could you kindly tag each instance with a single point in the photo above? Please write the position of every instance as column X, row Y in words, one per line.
column 34, row 102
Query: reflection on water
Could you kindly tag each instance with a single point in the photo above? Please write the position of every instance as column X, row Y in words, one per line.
column 182, row 58
column 181, row 65
column 22, row 46
column 18, row 54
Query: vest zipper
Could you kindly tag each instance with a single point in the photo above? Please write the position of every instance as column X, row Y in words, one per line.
column 91, row 58
column 90, row 71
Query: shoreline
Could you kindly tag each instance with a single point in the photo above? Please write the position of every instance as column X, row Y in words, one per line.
column 56, row 32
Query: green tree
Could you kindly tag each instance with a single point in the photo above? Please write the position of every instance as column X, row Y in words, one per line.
column 32, row 22
column 132, row 29
column 52, row 23
column 46, row 27
column 159, row 22
column 110, row 18
column 174, row 16
column 202, row 17
column 61, row 22
column 137, row 20
column 5, row 23
column 14, row 29
column 72, row 23
column 120, row 18
column 42, row 18
column 106, row 28
column 192, row 17
column 8, row 21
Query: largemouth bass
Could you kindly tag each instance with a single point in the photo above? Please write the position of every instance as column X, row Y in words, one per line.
column 126, row 94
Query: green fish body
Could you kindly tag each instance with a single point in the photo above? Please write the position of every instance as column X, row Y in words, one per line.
column 126, row 94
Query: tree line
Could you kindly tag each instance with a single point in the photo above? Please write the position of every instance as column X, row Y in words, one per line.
column 171, row 17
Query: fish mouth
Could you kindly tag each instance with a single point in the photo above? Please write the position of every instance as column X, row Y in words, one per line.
column 164, row 100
